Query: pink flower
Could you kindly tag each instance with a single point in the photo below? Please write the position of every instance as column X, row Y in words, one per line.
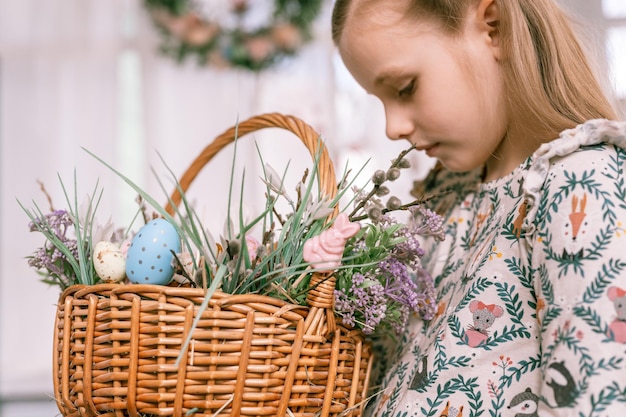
column 259, row 48
column 253, row 246
column 287, row 36
column 202, row 34
column 179, row 26
column 125, row 245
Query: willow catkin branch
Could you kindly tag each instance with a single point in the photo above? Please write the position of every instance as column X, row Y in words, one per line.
column 395, row 164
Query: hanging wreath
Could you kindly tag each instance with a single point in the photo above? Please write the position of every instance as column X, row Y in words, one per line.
column 241, row 36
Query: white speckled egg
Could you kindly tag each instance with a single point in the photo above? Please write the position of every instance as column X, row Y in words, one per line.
column 109, row 261
column 150, row 257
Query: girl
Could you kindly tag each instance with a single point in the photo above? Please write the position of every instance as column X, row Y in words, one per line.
column 531, row 279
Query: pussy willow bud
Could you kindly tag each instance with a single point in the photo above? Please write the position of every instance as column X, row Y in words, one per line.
column 374, row 214
column 404, row 163
column 234, row 247
column 268, row 236
column 393, row 174
column 382, row 191
column 379, row 177
column 393, row 203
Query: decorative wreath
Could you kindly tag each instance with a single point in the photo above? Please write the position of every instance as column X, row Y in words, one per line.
column 186, row 31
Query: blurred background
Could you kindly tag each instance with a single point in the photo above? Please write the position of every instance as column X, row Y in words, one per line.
column 88, row 74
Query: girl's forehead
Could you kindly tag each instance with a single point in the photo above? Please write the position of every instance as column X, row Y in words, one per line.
column 389, row 15
column 361, row 22
column 376, row 12
column 388, row 22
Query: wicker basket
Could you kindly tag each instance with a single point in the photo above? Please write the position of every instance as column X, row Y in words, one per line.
column 115, row 346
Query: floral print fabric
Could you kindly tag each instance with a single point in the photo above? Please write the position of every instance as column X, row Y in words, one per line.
column 531, row 287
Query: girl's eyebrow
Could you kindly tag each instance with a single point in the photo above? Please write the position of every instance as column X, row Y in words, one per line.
column 387, row 74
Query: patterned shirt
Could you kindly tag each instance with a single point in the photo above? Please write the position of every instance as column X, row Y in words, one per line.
column 531, row 286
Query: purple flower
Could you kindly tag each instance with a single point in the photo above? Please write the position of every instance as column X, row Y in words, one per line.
column 49, row 259
column 413, row 291
column 362, row 304
column 391, row 291
column 57, row 222
column 410, row 249
column 386, row 283
column 428, row 223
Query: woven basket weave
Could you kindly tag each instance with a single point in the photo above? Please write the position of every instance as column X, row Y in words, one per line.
column 115, row 345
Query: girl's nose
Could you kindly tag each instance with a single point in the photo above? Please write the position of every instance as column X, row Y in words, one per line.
column 399, row 126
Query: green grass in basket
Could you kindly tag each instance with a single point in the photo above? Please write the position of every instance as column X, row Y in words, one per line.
column 277, row 272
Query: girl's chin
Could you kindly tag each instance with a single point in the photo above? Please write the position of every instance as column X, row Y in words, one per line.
column 456, row 166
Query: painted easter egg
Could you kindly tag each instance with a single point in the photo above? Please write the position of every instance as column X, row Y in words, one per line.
column 150, row 257
column 109, row 262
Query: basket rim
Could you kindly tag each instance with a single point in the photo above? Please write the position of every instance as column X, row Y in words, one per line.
column 83, row 290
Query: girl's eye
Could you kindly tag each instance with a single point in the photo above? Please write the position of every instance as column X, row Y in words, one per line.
column 408, row 90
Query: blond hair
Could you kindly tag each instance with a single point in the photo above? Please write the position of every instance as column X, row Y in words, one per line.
column 548, row 77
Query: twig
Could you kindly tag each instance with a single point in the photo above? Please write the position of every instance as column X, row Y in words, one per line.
column 375, row 188
column 406, row 206
column 45, row 192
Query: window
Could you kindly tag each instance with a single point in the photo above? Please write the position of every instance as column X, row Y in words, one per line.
column 614, row 13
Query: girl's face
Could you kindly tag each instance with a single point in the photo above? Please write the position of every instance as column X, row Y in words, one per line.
column 443, row 94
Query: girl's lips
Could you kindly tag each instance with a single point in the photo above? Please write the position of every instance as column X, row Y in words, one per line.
column 431, row 150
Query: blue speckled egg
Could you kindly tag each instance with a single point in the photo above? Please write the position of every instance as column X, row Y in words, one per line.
column 150, row 257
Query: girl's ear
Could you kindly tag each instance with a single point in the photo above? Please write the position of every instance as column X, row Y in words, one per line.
column 488, row 15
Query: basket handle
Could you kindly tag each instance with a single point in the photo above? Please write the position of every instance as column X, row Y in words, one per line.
column 308, row 136
column 320, row 296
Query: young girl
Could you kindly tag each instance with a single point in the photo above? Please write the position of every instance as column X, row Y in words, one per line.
column 531, row 279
